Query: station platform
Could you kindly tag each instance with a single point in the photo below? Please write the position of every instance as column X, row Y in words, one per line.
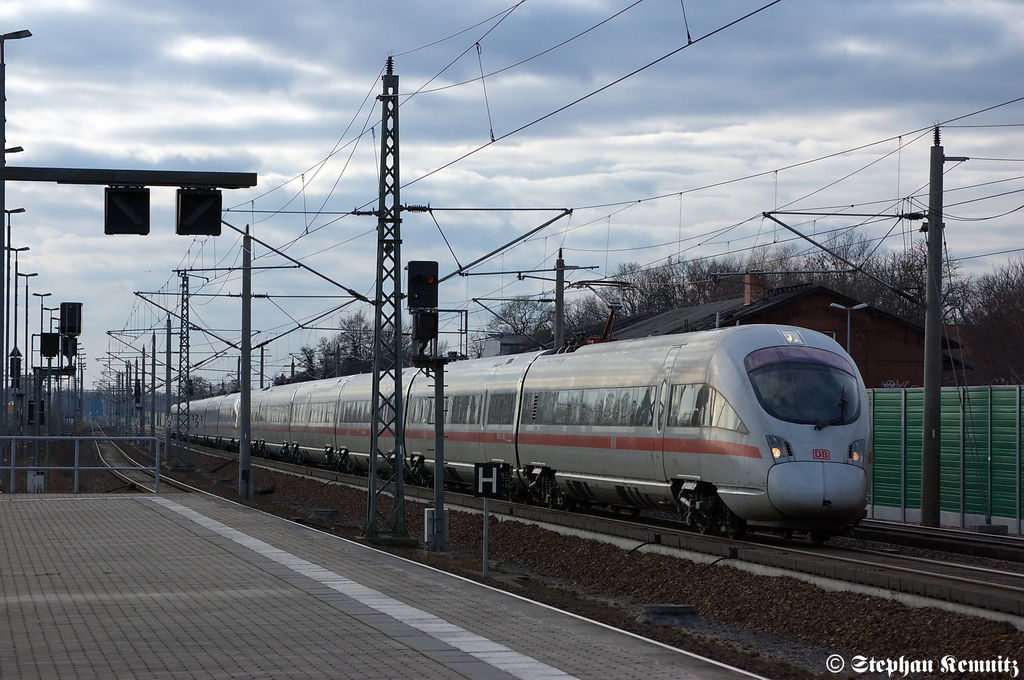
column 192, row 586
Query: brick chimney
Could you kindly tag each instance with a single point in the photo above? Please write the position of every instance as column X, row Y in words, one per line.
column 753, row 287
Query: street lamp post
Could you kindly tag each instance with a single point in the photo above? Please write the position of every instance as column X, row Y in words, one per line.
column 53, row 318
column 5, row 313
column 27, row 356
column 16, row 359
column 40, row 296
column 11, row 337
column 836, row 305
column 37, row 385
column 16, row 35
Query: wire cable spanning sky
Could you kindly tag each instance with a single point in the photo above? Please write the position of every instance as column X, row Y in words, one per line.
column 662, row 143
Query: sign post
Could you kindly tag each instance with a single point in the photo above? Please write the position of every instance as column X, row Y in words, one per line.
column 488, row 486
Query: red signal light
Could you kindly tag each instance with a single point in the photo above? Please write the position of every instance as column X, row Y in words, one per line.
column 422, row 284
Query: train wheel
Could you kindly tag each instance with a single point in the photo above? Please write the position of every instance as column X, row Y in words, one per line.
column 736, row 529
column 819, row 537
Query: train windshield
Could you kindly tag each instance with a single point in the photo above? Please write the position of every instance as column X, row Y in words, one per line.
column 805, row 385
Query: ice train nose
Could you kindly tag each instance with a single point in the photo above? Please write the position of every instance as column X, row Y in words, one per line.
column 817, row 490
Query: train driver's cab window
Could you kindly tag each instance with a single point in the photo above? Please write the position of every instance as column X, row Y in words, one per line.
column 805, row 385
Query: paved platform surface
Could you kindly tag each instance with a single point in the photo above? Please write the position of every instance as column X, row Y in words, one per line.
column 190, row 586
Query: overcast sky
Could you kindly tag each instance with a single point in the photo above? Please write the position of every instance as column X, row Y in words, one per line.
column 668, row 127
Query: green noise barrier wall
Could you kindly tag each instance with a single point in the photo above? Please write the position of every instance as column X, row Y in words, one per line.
column 981, row 455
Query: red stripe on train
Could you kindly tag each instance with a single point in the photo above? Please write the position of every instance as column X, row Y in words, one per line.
column 587, row 441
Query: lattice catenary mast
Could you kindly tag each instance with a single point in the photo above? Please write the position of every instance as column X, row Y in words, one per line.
column 385, row 513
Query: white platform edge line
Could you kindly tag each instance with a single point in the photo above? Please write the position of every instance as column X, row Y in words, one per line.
column 510, row 661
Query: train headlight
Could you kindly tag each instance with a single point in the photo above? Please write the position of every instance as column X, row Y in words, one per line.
column 780, row 448
column 791, row 336
column 858, row 451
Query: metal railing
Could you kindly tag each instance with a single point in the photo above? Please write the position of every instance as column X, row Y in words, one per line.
column 11, row 450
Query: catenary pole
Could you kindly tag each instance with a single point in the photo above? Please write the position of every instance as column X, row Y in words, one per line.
column 245, row 481
column 167, row 393
column 385, row 521
column 931, row 444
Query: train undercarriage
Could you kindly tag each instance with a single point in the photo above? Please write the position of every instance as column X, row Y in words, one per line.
column 696, row 502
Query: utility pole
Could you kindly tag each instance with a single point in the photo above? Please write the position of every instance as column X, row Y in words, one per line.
column 386, row 522
column 152, row 392
column 182, row 453
column 439, row 536
column 167, row 390
column 245, row 481
column 141, row 393
column 931, row 444
column 559, row 340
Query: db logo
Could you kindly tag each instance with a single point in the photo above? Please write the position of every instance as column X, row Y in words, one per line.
column 821, row 454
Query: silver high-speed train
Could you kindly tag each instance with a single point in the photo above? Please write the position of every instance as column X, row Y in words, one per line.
column 749, row 426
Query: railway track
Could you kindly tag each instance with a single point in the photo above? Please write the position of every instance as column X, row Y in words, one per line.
column 997, row 587
column 1009, row 548
column 113, row 454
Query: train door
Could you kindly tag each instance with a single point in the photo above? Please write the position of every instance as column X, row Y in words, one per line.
column 678, row 438
column 522, row 364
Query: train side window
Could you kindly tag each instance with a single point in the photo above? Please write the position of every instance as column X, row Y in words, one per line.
column 501, row 408
column 591, row 407
column 702, row 406
column 529, row 414
column 610, row 413
column 625, row 399
column 725, row 416
column 644, row 415
column 546, row 408
column 681, row 407
column 451, row 405
column 463, row 409
column 567, row 407
column 361, row 412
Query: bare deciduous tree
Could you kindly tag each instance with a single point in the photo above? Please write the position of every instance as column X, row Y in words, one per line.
column 993, row 326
